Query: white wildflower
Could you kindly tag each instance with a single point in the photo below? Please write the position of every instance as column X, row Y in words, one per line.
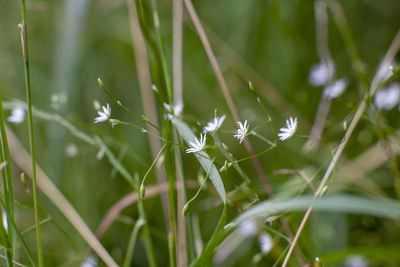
column 17, row 115
column 265, row 242
column 242, row 131
column 90, row 261
column 175, row 111
column 387, row 98
column 248, row 228
column 101, row 153
column 336, row 88
column 291, row 126
column 214, row 125
column 103, row 115
column 5, row 220
column 71, row 150
column 355, row 261
column 198, row 146
column 321, row 73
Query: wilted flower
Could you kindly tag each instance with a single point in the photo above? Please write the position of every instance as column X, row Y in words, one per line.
column 198, row 146
column 214, row 125
column 17, row 115
column 291, row 126
column 265, row 242
column 321, row 73
column 103, row 115
column 242, row 131
column 336, row 88
column 387, row 98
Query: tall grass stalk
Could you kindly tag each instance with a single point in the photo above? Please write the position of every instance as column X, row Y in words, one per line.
column 8, row 188
column 25, row 52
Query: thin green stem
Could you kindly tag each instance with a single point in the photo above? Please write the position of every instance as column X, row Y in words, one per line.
column 151, row 257
column 8, row 188
column 25, row 53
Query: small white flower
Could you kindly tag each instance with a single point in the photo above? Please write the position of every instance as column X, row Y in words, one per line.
column 17, row 115
column 198, row 146
column 265, row 242
column 103, row 115
column 242, row 131
column 71, row 150
column 336, row 88
column 387, row 98
column 248, row 228
column 291, row 126
column 213, row 126
column 5, row 220
column 321, row 73
column 175, row 111
column 90, row 261
column 356, row 261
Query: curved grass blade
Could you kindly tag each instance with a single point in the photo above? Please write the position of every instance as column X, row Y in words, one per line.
column 202, row 157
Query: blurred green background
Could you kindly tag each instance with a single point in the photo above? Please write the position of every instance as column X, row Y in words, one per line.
column 73, row 42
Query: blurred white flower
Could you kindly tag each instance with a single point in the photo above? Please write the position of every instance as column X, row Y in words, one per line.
column 213, row 126
column 103, row 115
column 355, row 261
column 336, row 88
column 90, row 261
column 387, row 98
column 17, row 115
column 265, row 242
column 175, row 111
column 321, row 73
column 71, row 150
column 198, row 146
column 242, row 131
column 5, row 222
column 291, row 126
column 248, row 228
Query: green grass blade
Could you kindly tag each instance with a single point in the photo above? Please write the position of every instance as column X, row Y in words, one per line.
column 202, row 157
column 132, row 242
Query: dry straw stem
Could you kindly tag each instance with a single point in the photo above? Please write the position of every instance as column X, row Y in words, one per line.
column 22, row 159
column 145, row 84
column 181, row 246
column 235, row 114
column 321, row 40
column 390, row 54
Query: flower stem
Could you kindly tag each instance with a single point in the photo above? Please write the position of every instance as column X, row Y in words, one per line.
column 24, row 43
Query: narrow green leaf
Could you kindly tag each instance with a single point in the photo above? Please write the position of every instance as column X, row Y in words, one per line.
column 338, row 203
column 202, row 157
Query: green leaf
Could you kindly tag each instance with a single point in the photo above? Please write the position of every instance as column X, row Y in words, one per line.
column 202, row 157
column 339, row 203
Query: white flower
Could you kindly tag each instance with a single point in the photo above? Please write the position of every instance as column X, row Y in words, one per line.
column 291, row 126
column 248, row 228
column 321, row 73
column 90, row 261
column 175, row 111
column 103, row 115
column 214, row 125
column 355, row 261
column 242, row 131
column 17, row 115
column 265, row 242
column 71, row 150
column 387, row 98
column 198, row 146
column 5, row 220
column 336, row 88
